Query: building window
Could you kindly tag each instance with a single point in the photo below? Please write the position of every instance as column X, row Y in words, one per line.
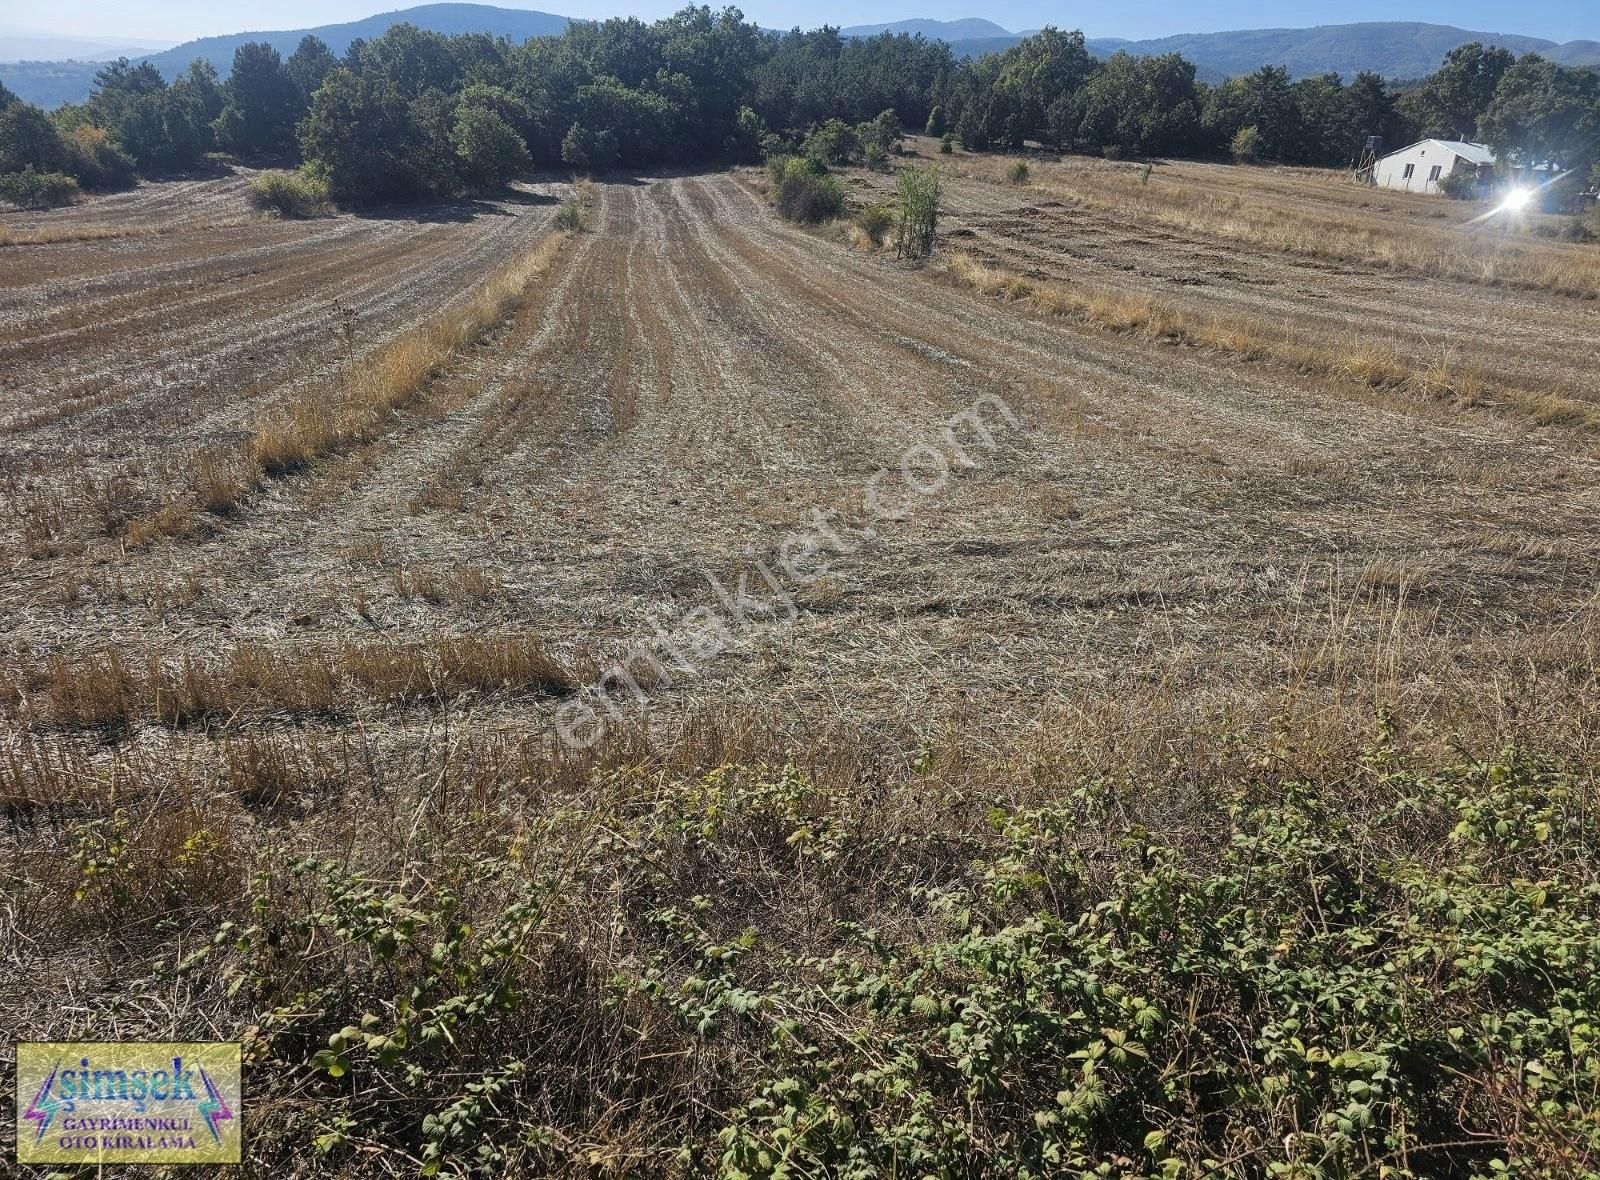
column 1410, row 168
column 1433, row 173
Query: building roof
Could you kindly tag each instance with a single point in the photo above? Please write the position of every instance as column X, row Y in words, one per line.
column 1472, row 153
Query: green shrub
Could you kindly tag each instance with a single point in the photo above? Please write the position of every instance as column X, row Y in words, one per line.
column 835, row 142
column 292, row 194
column 935, row 124
column 1460, row 186
column 1018, row 173
column 876, row 221
column 920, row 190
column 1246, row 144
column 488, row 150
column 1315, row 991
column 947, row 143
column 570, row 217
column 803, row 194
column 96, row 160
column 37, row 190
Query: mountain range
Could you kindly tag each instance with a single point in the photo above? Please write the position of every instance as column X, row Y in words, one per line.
column 20, row 44
column 1395, row 49
column 1399, row 50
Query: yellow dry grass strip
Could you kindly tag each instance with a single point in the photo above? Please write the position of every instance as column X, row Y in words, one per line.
column 108, row 691
column 1363, row 362
column 69, row 233
column 1482, row 256
column 395, row 374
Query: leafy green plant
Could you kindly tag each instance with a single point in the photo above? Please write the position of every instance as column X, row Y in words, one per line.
column 802, row 193
column 1246, row 145
column 294, row 194
column 920, row 191
column 834, row 142
column 876, row 221
column 28, row 189
column 1460, row 185
column 570, row 216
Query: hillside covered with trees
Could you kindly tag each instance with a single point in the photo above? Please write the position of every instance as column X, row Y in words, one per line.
column 413, row 114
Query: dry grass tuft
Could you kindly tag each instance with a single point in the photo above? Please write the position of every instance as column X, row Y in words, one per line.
column 99, row 693
column 67, row 232
column 259, row 681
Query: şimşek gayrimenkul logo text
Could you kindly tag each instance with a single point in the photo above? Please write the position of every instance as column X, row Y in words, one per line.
column 129, row 1102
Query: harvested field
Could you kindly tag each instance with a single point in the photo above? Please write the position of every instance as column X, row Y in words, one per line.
column 990, row 553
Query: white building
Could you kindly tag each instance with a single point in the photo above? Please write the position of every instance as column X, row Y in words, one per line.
column 1420, row 167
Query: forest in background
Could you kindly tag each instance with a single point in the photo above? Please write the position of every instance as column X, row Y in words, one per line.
column 414, row 114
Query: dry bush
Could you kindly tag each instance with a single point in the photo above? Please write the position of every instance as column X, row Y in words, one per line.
column 221, row 481
column 262, row 770
column 190, row 692
column 289, row 681
column 471, row 584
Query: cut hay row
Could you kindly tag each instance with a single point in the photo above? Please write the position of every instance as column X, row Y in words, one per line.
column 1483, row 257
column 108, row 690
column 1364, row 362
column 288, row 439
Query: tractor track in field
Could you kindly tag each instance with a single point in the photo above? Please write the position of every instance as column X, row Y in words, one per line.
column 179, row 354
column 1525, row 335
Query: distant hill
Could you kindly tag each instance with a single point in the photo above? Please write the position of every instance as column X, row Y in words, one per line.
column 971, row 29
column 1393, row 49
column 30, row 46
column 52, row 83
column 515, row 24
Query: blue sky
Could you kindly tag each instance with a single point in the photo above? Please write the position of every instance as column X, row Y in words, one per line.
column 1561, row 20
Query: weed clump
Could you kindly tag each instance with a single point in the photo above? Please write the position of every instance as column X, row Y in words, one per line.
column 571, row 218
column 29, row 189
column 804, row 191
column 875, row 221
column 920, row 191
column 291, row 195
column 1018, row 173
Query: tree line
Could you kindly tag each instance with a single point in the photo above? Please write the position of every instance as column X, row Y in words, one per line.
column 414, row 114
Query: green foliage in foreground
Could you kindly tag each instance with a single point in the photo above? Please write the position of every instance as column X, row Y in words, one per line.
column 1390, row 972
